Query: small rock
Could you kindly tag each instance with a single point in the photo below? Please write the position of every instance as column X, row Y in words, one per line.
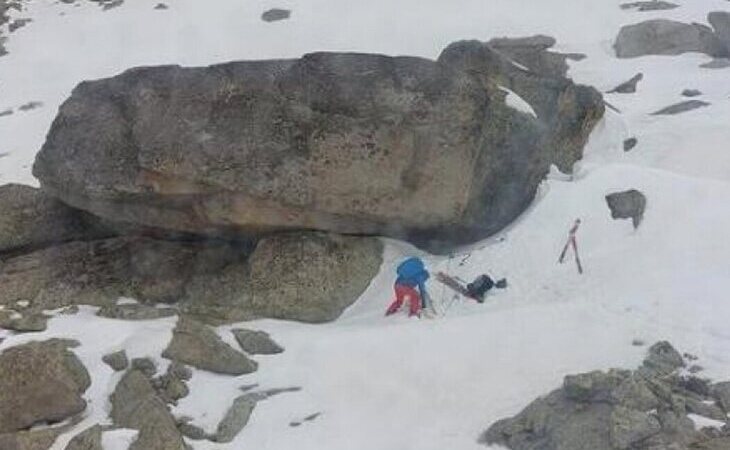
column 161, row 6
column 628, row 87
column 638, row 343
column 30, row 105
column 235, row 419
column 179, row 371
column 256, row 342
column 630, row 143
column 662, row 360
column 6, row 112
column 117, row 361
column 199, row 346
column 190, row 430
column 89, row 439
column 627, row 205
column 653, row 5
column 275, row 14
column 678, row 108
column 23, row 323
column 70, row 310
column 145, row 365
column 695, row 368
column 18, row 23
column 691, row 93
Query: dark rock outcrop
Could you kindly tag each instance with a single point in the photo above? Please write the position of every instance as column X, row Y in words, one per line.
column 651, row 5
column 630, row 143
column 275, row 14
column 627, row 205
column 645, row 409
column 666, row 37
column 628, row 87
column 681, row 107
column 30, row 220
column 349, row 143
column 40, row 382
column 89, row 439
column 196, row 344
column 256, row 342
column 307, row 277
column 118, row 361
column 691, row 93
column 720, row 21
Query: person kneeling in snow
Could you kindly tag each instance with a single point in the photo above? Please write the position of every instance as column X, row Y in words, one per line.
column 412, row 274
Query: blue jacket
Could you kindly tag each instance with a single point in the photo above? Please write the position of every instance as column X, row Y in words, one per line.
column 412, row 272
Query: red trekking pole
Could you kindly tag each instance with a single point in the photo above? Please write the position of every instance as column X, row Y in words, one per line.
column 572, row 243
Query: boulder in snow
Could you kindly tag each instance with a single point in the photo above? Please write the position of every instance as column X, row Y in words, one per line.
column 256, row 342
column 717, row 63
column 691, row 93
column 628, row 87
column 666, row 37
column 681, row 107
column 118, row 361
column 275, row 15
column 651, row 5
column 630, row 143
column 627, row 205
column 89, row 439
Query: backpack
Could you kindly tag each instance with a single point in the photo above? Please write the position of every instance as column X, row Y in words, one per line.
column 480, row 286
column 411, row 268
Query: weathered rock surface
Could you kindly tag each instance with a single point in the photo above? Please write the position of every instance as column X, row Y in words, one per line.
column 146, row 366
column 29, row 440
column 629, row 204
column 308, row 277
column 275, row 14
column 135, row 405
column 89, row 439
column 720, row 21
column 691, row 93
column 681, row 107
column 30, row 220
column 118, row 361
column 630, row 143
column 256, row 342
column 99, row 272
column 628, row 87
column 236, row 418
column 717, row 63
column 651, row 5
column 666, row 37
column 617, row 410
column 532, row 53
column 135, row 311
column 197, row 345
column 40, row 382
column 350, row 143
column 25, row 322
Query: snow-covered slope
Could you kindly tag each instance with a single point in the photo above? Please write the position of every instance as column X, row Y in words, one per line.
column 402, row 384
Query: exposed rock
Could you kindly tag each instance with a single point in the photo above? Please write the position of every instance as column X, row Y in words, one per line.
column 135, row 311
column 235, row 419
column 171, row 386
column 309, row 277
column 308, row 418
column 135, row 405
column 616, row 410
column 199, row 346
column 691, row 93
column 145, row 366
column 191, row 431
column 27, row 322
column 89, row 439
column 531, row 52
column 30, row 105
column 717, row 63
column 40, row 382
column 18, row 23
column 256, row 342
column 678, row 108
column 99, row 272
column 179, row 371
column 328, row 141
column 118, row 361
column 666, row 37
column 275, row 14
column 721, row 391
column 161, row 6
column 31, row 219
column 6, row 112
column 720, row 21
column 650, row 5
column 30, row 440
column 628, row 87
column 630, row 143
column 627, row 205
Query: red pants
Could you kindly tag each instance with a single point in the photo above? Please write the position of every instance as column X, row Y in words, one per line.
column 402, row 293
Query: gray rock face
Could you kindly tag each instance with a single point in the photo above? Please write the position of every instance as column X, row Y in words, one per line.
column 681, row 107
column 25, row 322
column 135, row 405
column 256, row 342
column 118, row 361
column 135, row 311
column 308, row 277
column 349, row 143
column 666, row 37
column 652, row 5
column 89, row 439
column 532, row 53
column 275, row 14
column 717, row 63
column 691, row 93
column 40, row 382
column 720, row 21
column 31, row 219
column 99, row 272
column 615, row 410
column 630, row 143
column 235, row 419
column 30, row 440
column 197, row 345
column 629, row 204
column 628, row 87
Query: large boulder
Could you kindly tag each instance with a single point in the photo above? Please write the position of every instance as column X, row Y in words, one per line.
column 308, row 277
column 40, row 382
column 30, row 219
column 667, row 37
column 720, row 21
column 99, row 272
column 628, row 204
column 350, row 143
